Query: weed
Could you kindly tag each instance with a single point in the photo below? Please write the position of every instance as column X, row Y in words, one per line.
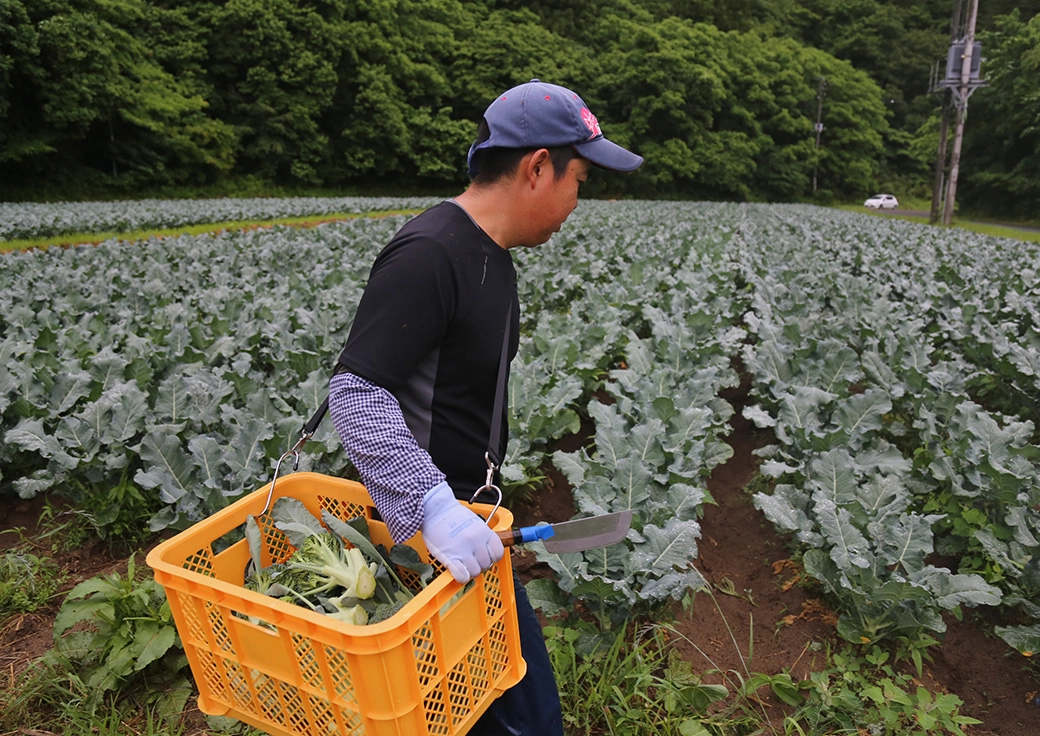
column 116, row 631
column 118, row 513
column 115, row 640
column 65, row 529
column 27, row 582
column 860, row 691
column 628, row 682
column 863, row 692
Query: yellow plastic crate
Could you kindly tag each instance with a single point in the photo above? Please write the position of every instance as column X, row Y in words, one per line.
column 431, row 669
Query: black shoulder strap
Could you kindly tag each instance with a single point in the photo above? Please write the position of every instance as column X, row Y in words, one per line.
column 312, row 425
column 500, row 392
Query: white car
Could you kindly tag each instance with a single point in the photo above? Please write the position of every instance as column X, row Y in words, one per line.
column 882, row 202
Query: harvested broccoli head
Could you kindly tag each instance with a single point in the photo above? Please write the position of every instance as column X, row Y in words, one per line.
column 355, row 615
column 323, row 564
column 263, row 581
column 351, row 614
column 384, row 611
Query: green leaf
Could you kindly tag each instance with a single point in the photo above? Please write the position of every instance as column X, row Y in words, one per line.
column 632, row 480
column 254, row 540
column 171, row 401
column 107, row 367
column 771, row 361
column 151, row 642
column 672, row 546
column 787, row 507
column 904, row 541
column 207, row 452
column 69, row 387
column 545, row 596
column 761, row 418
column 611, row 434
column 850, row 548
column 294, row 518
column 1023, row 521
column 30, row 435
column 831, row 474
column 691, row 727
column 673, row 583
column 75, row 432
column 840, row 366
column 882, row 497
column 572, row 465
column 76, row 611
column 166, row 467
column 802, row 409
column 861, row 414
column 664, row 408
column 1026, row 639
column 245, row 454
column 879, row 372
column 407, row 557
column 683, row 502
column 128, row 408
column 952, row 590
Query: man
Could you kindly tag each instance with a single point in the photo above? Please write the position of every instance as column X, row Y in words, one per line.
column 414, row 389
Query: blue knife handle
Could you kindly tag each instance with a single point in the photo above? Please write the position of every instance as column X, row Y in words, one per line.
column 525, row 534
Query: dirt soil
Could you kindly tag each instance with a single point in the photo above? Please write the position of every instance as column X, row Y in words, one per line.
column 756, row 592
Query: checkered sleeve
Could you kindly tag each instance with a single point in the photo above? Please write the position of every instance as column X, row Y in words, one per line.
column 396, row 471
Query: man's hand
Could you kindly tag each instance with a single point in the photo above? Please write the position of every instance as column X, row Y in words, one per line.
column 457, row 537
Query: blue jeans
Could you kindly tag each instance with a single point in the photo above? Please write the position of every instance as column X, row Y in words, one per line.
column 532, row 706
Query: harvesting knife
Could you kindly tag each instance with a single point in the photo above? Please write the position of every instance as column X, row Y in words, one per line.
column 573, row 536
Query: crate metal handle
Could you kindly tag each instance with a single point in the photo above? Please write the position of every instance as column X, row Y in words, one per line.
column 308, row 431
column 489, row 486
column 295, row 452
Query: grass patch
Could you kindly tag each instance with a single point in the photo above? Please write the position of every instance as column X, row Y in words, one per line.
column 984, row 228
column 74, row 239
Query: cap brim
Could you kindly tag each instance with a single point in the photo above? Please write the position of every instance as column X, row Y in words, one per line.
column 608, row 155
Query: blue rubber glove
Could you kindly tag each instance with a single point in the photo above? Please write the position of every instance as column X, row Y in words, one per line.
column 457, row 537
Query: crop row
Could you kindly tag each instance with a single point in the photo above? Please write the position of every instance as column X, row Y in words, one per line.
column 896, row 446
column 37, row 220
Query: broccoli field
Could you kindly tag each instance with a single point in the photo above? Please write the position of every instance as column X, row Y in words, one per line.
column 827, row 419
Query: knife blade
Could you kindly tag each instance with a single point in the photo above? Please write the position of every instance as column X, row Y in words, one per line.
column 573, row 536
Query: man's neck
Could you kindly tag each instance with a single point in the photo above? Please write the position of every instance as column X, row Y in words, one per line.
column 491, row 208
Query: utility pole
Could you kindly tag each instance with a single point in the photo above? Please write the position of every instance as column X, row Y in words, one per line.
column 944, row 126
column 960, row 96
column 821, row 90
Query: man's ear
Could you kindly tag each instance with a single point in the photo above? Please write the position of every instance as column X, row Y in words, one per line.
column 537, row 164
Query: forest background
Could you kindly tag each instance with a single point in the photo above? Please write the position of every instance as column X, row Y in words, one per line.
column 104, row 99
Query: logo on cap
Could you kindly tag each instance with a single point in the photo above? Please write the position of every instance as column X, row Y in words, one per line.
column 590, row 122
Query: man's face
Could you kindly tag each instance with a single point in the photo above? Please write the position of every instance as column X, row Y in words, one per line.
column 558, row 198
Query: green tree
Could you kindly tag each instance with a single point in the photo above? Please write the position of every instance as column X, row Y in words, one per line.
column 20, row 71
column 509, row 47
column 272, row 71
column 731, row 115
column 393, row 115
column 1000, row 163
column 667, row 82
column 88, row 98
